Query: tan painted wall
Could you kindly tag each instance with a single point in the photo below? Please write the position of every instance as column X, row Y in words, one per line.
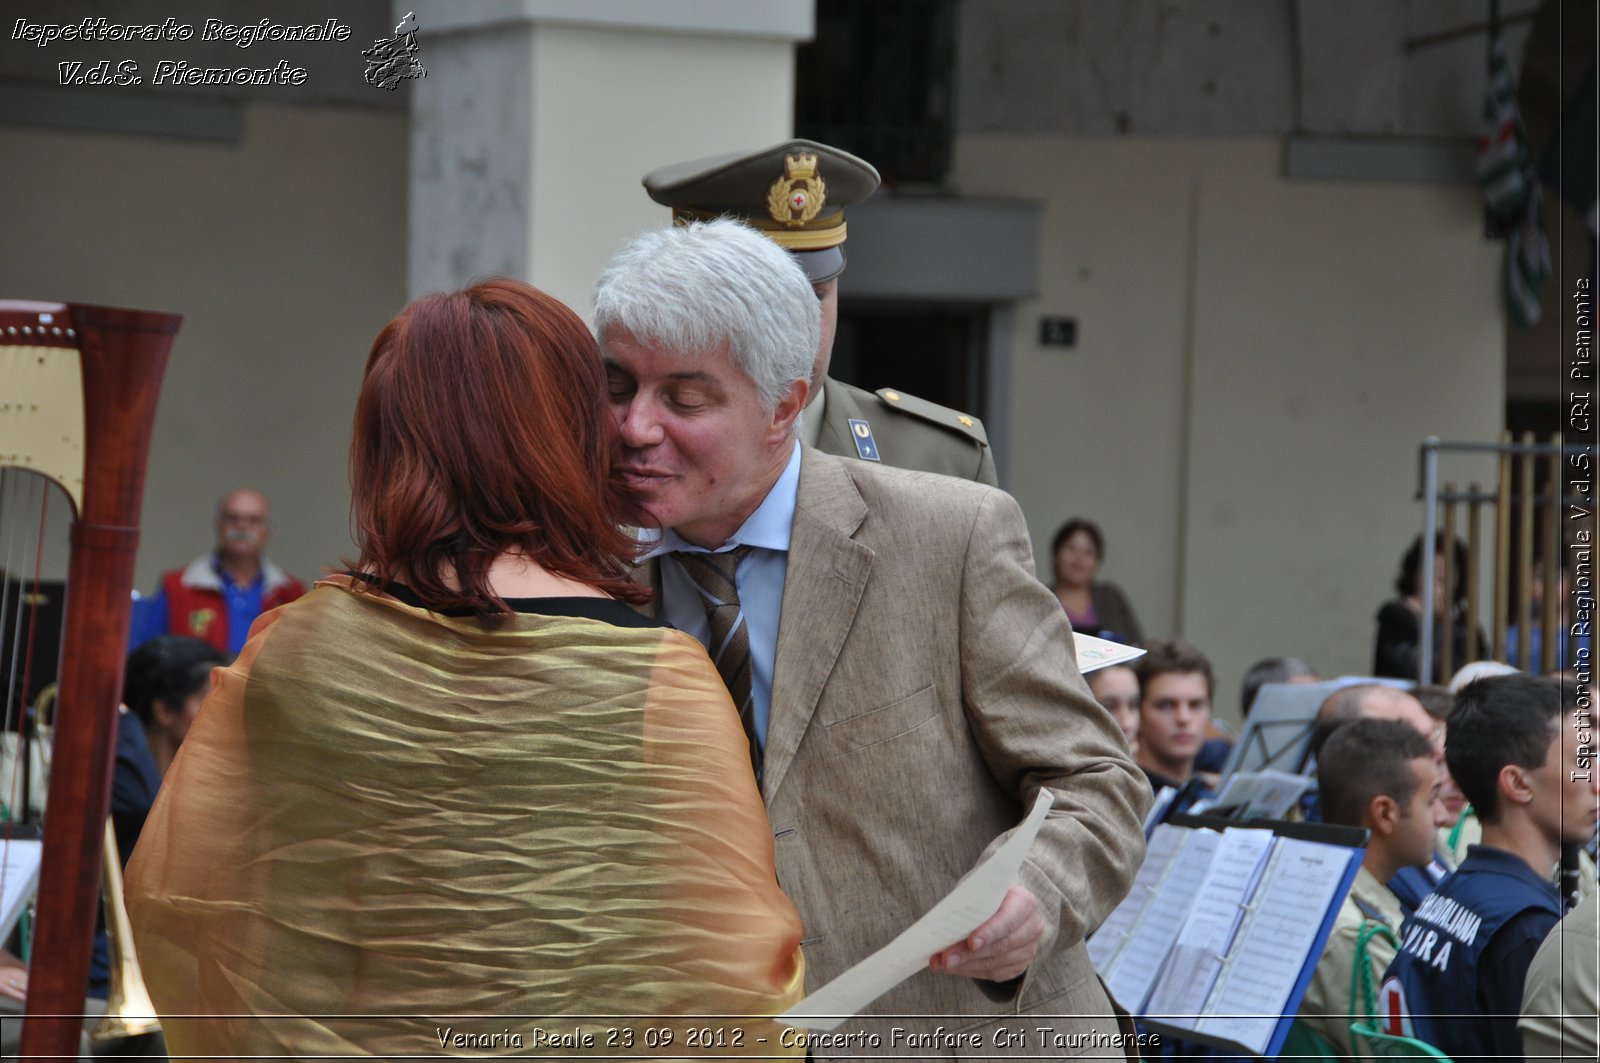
column 285, row 252
column 1258, row 360
column 1260, row 507
column 602, row 119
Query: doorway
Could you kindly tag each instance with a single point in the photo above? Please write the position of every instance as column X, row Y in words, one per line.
column 937, row 351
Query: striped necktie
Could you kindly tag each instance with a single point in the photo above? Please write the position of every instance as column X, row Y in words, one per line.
column 713, row 576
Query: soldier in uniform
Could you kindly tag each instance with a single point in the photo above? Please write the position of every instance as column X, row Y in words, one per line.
column 795, row 194
column 1381, row 775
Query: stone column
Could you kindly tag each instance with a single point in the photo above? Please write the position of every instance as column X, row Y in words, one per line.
column 538, row 117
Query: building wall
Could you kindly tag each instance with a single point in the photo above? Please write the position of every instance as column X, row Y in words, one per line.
column 285, row 252
column 1258, row 359
column 292, row 236
column 529, row 144
column 1205, row 68
column 600, row 126
column 1258, row 356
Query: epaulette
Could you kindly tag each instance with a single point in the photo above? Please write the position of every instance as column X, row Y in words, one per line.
column 1371, row 911
column 932, row 412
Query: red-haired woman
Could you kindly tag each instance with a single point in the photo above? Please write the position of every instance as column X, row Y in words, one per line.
column 468, row 781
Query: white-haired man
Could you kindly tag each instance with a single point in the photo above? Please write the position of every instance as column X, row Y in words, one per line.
column 894, row 657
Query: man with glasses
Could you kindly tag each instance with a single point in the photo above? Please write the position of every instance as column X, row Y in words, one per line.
column 219, row 595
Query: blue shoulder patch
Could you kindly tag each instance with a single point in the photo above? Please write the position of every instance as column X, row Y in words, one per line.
column 866, row 446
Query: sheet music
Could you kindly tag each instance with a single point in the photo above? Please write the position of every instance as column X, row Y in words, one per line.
column 1253, row 993
column 1114, row 932
column 1277, row 728
column 967, row 907
column 1206, row 938
column 1269, row 794
column 1158, row 808
column 1146, row 950
column 19, row 878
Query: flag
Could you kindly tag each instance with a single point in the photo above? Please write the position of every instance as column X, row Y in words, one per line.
column 1511, row 190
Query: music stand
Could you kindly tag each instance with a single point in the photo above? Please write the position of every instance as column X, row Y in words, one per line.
column 1258, row 937
column 1277, row 733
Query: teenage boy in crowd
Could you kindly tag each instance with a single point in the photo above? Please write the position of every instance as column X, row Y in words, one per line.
column 1175, row 687
column 1457, row 982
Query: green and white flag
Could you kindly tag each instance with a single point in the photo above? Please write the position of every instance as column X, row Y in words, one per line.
column 1511, row 190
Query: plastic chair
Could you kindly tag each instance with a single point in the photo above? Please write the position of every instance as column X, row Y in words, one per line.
column 1370, row 1042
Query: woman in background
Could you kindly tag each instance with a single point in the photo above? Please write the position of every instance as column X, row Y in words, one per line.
column 1095, row 608
column 1397, row 650
column 467, row 780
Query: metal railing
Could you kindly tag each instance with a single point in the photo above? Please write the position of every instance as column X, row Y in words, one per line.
column 1529, row 504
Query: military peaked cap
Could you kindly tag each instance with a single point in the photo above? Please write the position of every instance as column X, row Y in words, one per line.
column 794, row 192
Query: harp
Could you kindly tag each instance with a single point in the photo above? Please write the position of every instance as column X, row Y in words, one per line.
column 78, row 389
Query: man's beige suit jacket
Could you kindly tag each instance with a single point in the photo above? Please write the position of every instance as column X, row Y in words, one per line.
column 923, row 691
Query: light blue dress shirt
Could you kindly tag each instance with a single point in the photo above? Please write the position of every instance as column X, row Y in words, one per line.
column 759, row 579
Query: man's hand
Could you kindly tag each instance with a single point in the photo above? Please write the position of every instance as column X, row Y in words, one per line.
column 1003, row 947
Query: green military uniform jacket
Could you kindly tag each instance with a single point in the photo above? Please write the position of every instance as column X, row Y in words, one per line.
column 1326, row 1005
column 905, row 431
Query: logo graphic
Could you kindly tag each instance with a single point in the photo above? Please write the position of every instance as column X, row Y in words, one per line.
column 394, row 60
column 797, row 196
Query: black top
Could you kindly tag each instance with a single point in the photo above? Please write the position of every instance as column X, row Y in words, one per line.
column 1113, row 615
column 1188, row 792
column 583, row 607
column 1397, row 652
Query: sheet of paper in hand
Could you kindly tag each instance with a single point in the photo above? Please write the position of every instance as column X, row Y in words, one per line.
column 966, row 908
column 1094, row 652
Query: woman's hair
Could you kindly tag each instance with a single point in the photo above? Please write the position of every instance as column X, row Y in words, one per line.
column 168, row 668
column 481, row 429
column 1067, row 531
column 1073, row 527
column 1410, row 578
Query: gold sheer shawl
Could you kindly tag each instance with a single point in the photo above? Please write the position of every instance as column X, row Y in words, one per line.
column 390, row 832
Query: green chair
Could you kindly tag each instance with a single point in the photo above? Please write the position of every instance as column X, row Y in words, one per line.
column 1365, row 1037
column 1305, row 1043
column 1376, row 1045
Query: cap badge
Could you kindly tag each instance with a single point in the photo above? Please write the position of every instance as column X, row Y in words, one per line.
column 797, row 196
